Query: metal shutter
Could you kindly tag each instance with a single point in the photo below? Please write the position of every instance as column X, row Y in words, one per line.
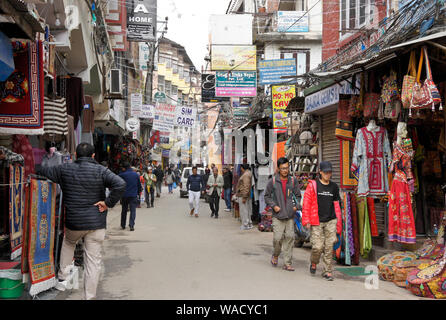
column 380, row 209
column 330, row 144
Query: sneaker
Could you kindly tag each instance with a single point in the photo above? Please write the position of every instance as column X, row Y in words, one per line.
column 132, row 229
column 328, row 277
column 244, row 228
column 62, row 285
column 313, row 268
column 123, row 228
column 228, row 210
column 216, row 217
column 212, row 215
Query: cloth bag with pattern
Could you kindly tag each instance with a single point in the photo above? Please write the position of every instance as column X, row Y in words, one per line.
column 408, row 82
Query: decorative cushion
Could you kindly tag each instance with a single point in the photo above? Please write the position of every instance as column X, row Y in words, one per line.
column 385, row 263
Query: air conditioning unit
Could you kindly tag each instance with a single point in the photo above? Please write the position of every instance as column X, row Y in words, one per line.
column 115, row 81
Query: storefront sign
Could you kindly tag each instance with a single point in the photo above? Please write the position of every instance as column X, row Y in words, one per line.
column 185, row 116
column 141, row 20
column 281, row 98
column 136, row 104
column 144, row 56
column 132, row 124
column 208, row 89
column 147, row 111
column 166, row 153
column 271, row 71
column 160, row 97
column 292, row 21
column 330, row 95
column 236, row 84
column 164, row 117
column 234, row 58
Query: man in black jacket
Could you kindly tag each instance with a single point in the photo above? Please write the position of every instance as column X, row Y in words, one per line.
column 83, row 184
column 158, row 172
column 227, row 187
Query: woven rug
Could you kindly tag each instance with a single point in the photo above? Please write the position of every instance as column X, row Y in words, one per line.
column 348, row 180
column 21, row 95
column 41, row 228
column 16, row 208
column 354, row 271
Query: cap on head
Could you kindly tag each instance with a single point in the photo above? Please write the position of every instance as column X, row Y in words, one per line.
column 325, row 166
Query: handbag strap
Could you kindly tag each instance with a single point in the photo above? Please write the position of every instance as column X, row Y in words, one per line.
column 428, row 65
column 411, row 69
column 420, row 65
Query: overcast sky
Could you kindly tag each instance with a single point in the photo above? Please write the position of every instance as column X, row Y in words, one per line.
column 189, row 24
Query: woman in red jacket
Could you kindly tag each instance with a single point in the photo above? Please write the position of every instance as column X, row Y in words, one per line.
column 321, row 211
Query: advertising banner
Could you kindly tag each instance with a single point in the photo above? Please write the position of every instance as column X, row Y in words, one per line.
column 185, row 116
column 281, row 98
column 164, row 117
column 292, row 21
column 271, row 71
column 208, row 89
column 236, row 84
column 141, row 20
column 136, row 104
column 234, row 58
column 147, row 111
column 144, row 56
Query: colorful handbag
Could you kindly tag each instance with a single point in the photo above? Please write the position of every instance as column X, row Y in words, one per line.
column 371, row 104
column 435, row 94
column 408, row 82
column 421, row 94
column 390, row 90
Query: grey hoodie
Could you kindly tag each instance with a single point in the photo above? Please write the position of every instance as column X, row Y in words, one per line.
column 274, row 197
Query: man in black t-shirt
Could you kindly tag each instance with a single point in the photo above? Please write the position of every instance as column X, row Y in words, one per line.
column 321, row 211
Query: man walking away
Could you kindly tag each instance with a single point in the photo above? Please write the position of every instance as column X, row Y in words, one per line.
column 159, row 180
column 227, row 186
column 321, row 211
column 83, row 184
column 130, row 196
column 283, row 195
column 150, row 179
column 195, row 185
column 214, row 188
column 243, row 193
column 170, row 179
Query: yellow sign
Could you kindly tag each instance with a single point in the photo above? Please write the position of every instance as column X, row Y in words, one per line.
column 234, row 58
column 281, row 98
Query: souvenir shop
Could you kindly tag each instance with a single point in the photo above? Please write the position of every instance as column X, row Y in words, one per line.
column 389, row 140
column 44, row 115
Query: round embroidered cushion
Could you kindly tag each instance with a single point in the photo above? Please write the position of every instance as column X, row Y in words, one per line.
column 385, row 263
column 421, row 281
column 402, row 269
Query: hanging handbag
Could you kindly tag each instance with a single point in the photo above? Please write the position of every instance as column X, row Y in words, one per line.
column 371, row 104
column 408, row 82
column 390, row 90
column 421, row 95
column 435, row 94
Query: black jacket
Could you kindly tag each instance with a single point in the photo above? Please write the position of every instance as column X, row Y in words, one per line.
column 83, row 184
column 227, row 178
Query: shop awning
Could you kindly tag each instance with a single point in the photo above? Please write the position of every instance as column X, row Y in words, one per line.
column 6, row 58
column 422, row 39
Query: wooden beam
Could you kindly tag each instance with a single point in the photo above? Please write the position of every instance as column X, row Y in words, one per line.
column 437, row 45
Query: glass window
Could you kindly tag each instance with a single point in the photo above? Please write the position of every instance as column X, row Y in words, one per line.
column 168, row 88
column 175, row 66
column 174, row 90
column 161, row 85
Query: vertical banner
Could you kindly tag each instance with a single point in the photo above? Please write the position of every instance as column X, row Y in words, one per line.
column 141, row 20
column 136, row 104
column 281, row 98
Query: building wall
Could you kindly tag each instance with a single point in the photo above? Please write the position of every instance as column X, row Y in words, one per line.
column 272, row 51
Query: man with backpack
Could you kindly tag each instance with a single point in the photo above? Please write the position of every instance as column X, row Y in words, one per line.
column 322, row 212
column 282, row 194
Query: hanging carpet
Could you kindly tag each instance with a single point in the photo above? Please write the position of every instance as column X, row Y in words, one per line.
column 16, row 208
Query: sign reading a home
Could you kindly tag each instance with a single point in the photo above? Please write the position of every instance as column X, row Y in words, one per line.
column 141, row 20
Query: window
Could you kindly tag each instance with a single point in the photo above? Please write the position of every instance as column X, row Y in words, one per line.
column 174, row 91
column 168, row 62
column 302, row 57
column 181, row 71
column 168, row 88
column 161, row 84
column 355, row 14
column 293, row 5
column 175, row 67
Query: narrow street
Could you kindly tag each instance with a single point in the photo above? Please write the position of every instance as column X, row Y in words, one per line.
column 171, row 255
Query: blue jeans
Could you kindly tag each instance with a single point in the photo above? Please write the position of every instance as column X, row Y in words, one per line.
column 228, row 197
column 133, row 202
column 170, row 186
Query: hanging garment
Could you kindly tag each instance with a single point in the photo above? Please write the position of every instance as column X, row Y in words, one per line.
column 372, row 216
column 371, row 157
column 401, row 217
column 346, row 230
column 70, row 140
column 55, row 119
column 365, row 238
column 351, row 240
column 75, row 98
column 355, row 229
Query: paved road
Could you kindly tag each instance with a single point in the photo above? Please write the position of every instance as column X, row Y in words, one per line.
column 171, row 255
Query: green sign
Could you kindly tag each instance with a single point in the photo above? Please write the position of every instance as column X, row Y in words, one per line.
column 160, row 97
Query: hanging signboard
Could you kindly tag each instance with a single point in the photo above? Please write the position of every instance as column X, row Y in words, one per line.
column 236, row 84
column 271, row 71
column 144, row 56
column 185, row 116
column 292, row 21
column 132, row 124
column 281, row 98
column 164, row 117
column 135, row 104
column 147, row 111
column 160, row 97
column 141, row 20
column 234, row 58
column 208, row 89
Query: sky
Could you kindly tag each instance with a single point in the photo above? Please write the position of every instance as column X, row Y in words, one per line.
column 189, row 24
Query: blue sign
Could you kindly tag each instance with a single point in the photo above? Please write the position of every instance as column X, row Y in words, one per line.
column 271, row 71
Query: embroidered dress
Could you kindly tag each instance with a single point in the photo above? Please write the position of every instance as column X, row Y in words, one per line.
column 401, row 219
column 371, row 157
